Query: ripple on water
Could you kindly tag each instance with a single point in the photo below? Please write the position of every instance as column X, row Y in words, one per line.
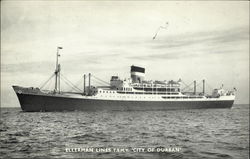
column 196, row 132
column 208, row 154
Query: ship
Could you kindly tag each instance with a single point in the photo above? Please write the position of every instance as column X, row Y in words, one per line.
column 134, row 93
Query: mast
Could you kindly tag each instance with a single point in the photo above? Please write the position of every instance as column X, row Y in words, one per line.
column 57, row 71
column 89, row 83
column 84, row 84
column 194, row 87
column 203, row 90
column 59, row 77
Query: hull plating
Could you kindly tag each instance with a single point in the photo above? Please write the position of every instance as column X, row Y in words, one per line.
column 30, row 102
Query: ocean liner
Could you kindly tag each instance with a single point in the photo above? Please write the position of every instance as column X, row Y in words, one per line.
column 134, row 93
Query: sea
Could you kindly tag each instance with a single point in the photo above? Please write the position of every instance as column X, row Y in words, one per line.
column 194, row 134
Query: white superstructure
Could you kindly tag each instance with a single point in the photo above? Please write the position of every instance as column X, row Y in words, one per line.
column 136, row 88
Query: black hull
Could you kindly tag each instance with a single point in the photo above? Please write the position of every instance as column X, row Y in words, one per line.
column 36, row 103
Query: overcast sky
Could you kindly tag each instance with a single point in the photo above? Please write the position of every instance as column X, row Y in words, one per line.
column 204, row 40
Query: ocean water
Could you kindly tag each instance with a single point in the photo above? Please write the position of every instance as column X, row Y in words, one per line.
column 201, row 133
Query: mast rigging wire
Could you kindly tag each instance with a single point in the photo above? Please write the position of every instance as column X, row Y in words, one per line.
column 100, row 83
column 100, row 80
column 70, row 82
column 41, row 86
column 48, row 85
column 77, row 83
column 187, row 86
column 69, row 85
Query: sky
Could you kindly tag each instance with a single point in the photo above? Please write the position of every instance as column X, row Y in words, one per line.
column 203, row 40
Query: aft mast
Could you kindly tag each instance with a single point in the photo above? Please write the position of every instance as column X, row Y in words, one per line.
column 57, row 71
